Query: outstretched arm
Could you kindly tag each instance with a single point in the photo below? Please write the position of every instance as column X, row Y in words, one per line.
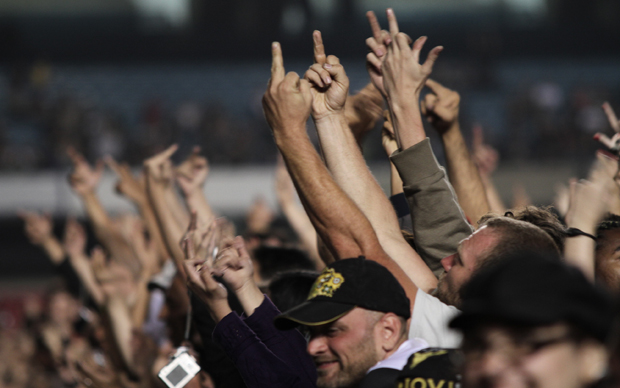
column 191, row 176
column 348, row 168
column 340, row 223
column 441, row 108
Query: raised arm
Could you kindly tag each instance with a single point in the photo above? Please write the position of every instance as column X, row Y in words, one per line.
column 134, row 189
column 158, row 171
column 441, row 108
column 84, row 181
column 486, row 158
column 191, row 176
column 346, row 163
column 39, row 230
column 438, row 221
column 340, row 223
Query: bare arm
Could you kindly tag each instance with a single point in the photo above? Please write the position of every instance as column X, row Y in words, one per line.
column 38, row 228
column 349, row 170
column 388, row 140
column 191, row 176
column 158, row 171
column 340, row 223
column 441, row 108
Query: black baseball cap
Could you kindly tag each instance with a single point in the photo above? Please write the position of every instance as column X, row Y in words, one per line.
column 341, row 287
column 533, row 290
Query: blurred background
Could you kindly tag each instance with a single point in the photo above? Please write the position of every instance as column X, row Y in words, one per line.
column 129, row 77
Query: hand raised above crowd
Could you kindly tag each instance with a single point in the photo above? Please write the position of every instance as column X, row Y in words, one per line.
column 287, row 103
column 191, row 175
column 440, row 106
column 377, row 44
column 127, row 185
column 159, row 167
column 83, row 178
column 403, row 75
column 612, row 144
column 330, row 84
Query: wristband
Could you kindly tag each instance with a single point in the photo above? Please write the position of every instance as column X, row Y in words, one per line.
column 574, row 232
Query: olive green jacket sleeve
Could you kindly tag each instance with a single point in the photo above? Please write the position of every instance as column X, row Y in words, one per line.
column 439, row 224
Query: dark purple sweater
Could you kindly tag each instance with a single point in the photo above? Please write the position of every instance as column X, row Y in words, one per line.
column 264, row 355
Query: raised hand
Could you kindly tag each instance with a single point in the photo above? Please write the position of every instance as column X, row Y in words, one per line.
column 378, row 48
column 362, row 110
column 159, row 167
column 614, row 143
column 403, row 76
column 192, row 173
column 485, row 156
column 330, row 84
column 234, row 266
column 288, row 100
column 259, row 216
column 83, row 178
column 441, row 106
column 38, row 227
column 128, row 185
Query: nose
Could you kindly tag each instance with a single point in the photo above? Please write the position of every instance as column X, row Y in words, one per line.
column 316, row 345
column 447, row 262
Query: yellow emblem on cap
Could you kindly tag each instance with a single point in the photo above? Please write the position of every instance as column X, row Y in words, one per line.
column 328, row 282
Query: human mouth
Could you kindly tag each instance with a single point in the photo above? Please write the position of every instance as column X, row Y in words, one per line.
column 322, row 365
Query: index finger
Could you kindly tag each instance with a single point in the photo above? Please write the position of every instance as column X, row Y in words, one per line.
column 391, row 17
column 374, row 25
column 611, row 116
column 319, row 49
column 277, row 63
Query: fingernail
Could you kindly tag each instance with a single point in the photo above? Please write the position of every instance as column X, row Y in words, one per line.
column 596, row 136
column 327, row 80
column 390, row 11
column 274, row 45
column 327, row 66
column 388, row 41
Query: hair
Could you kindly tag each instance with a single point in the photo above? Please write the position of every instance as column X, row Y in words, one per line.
column 516, row 236
column 610, row 222
column 272, row 260
column 543, row 217
column 290, row 289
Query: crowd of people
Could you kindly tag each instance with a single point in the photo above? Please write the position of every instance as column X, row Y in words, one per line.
column 437, row 285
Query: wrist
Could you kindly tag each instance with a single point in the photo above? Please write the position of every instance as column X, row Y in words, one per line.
column 250, row 297
column 219, row 309
column 330, row 117
column 289, row 135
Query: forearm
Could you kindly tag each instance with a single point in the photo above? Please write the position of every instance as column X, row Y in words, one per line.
column 168, row 226
column 350, row 172
column 338, row 221
column 121, row 330
column 197, row 201
column 97, row 215
column 150, row 221
column 463, row 175
column 179, row 214
column 407, row 120
column 83, row 269
column 140, row 308
column 580, row 250
column 250, row 297
column 53, row 249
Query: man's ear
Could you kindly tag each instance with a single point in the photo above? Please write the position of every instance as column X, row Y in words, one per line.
column 594, row 361
column 390, row 329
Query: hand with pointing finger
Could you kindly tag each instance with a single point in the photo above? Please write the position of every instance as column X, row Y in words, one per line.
column 441, row 106
column 378, row 48
column 330, row 84
column 288, row 100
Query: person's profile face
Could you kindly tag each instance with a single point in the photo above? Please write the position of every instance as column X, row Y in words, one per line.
column 608, row 259
column 502, row 356
column 343, row 350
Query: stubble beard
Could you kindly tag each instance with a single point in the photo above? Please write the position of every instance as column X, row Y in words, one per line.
column 444, row 293
column 353, row 374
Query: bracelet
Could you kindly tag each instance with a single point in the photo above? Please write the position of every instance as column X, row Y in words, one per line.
column 574, row 232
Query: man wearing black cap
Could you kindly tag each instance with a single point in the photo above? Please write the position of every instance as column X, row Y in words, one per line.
column 531, row 321
column 357, row 314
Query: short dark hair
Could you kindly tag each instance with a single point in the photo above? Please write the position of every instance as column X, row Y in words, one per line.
column 272, row 260
column 516, row 236
column 541, row 216
column 610, row 222
column 289, row 289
